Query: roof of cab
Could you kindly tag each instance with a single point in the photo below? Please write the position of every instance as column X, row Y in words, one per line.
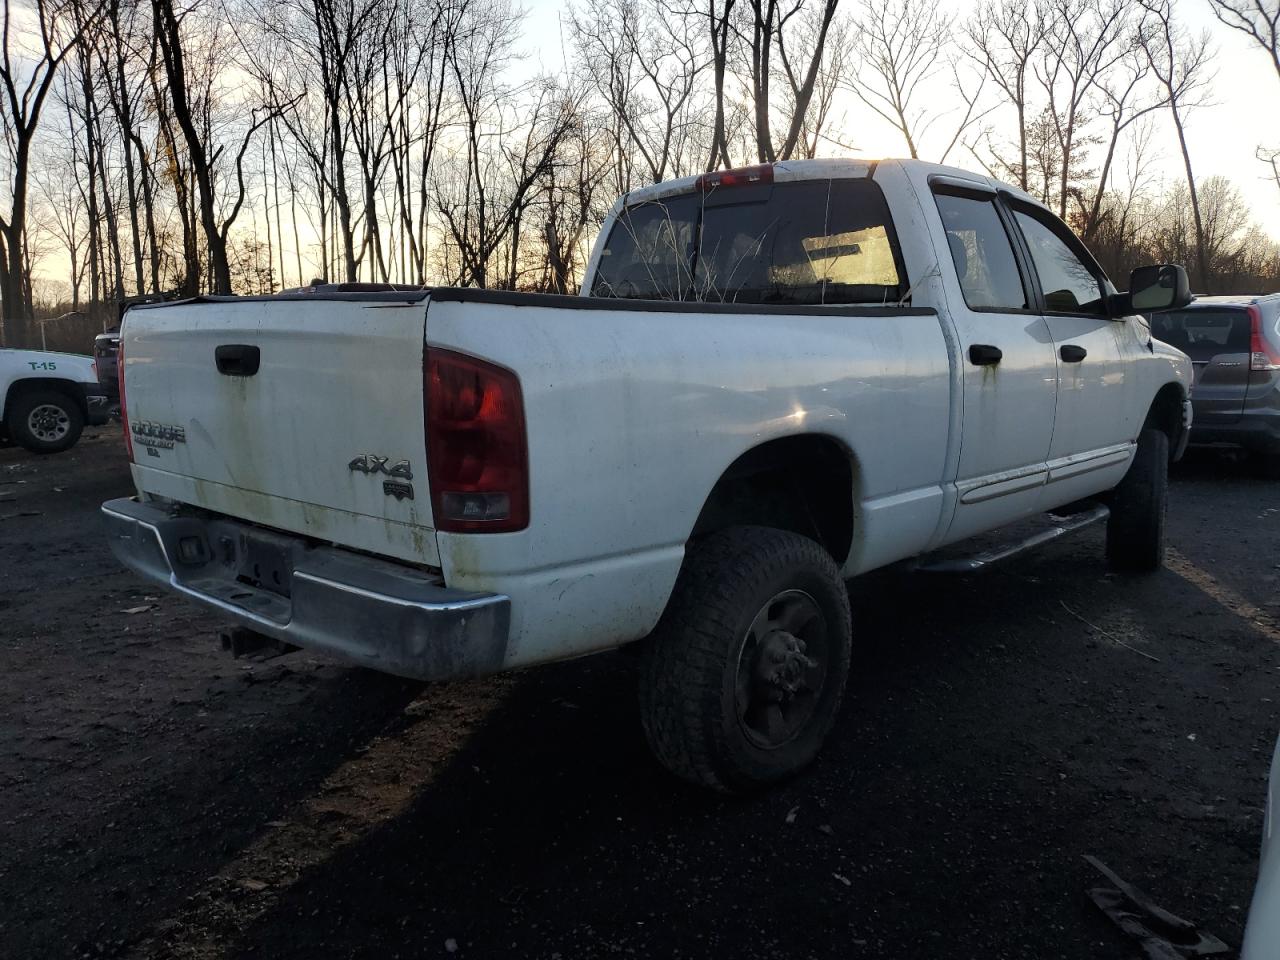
column 822, row 169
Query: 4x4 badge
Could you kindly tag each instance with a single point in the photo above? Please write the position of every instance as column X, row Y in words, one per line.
column 369, row 464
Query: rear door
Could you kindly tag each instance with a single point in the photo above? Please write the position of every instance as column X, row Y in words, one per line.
column 1217, row 339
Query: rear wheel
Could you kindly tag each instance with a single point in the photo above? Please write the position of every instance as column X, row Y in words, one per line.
column 45, row 421
column 743, row 677
column 1135, row 530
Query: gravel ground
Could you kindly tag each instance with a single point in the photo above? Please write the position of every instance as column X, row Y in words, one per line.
column 158, row 799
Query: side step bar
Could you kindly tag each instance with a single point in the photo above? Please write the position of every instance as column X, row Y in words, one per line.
column 1062, row 526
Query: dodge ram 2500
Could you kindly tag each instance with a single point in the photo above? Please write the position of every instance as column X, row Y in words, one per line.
column 776, row 378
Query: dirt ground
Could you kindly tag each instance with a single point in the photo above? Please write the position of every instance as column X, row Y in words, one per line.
column 158, row 799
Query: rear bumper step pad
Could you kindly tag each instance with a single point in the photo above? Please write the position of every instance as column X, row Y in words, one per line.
column 370, row 612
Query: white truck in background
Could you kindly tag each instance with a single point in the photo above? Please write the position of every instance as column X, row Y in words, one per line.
column 776, row 378
column 47, row 399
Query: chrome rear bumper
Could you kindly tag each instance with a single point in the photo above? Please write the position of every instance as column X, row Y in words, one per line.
column 370, row 612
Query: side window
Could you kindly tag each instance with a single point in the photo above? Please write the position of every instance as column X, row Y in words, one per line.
column 1069, row 284
column 982, row 253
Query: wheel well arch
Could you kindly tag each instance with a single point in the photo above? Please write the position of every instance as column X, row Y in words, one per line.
column 1165, row 415
column 30, row 384
column 804, row 483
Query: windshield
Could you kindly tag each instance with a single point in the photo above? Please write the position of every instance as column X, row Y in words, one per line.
column 804, row 242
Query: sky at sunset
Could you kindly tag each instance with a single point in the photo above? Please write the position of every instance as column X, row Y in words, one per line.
column 1222, row 137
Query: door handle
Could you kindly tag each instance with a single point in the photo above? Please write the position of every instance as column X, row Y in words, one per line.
column 1070, row 353
column 237, row 359
column 985, row 355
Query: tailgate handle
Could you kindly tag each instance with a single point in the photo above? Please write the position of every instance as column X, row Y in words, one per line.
column 237, row 359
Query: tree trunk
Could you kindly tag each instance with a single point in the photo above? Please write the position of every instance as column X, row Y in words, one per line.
column 1201, row 253
column 171, row 48
column 124, row 116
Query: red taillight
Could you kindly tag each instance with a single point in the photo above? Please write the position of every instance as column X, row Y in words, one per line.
column 741, row 177
column 1262, row 355
column 124, row 412
column 477, row 455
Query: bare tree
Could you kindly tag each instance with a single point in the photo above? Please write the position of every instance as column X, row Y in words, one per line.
column 646, row 65
column 1181, row 63
column 1004, row 37
column 62, row 209
column 200, row 145
column 719, row 20
column 1272, row 159
column 1084, row 40
column 773, row 28
column 837, row 58
column 1124, row 100
column 1257, row 19
column 25, row 82
column 510, row 146
column 900, row 48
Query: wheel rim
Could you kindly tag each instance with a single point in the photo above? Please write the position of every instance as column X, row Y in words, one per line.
column 49, row 423
column 782, row 669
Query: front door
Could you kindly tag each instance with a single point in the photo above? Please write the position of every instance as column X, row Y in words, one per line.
column 1009, row 366
column 1093, row 428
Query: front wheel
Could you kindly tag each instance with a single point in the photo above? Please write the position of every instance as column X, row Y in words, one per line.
column 45, row 421
column 1135, row 530
column 743, row 676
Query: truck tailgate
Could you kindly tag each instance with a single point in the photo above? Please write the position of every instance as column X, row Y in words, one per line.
column 325, row 438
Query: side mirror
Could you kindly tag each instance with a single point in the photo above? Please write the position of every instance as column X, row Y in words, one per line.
column 1160, row 287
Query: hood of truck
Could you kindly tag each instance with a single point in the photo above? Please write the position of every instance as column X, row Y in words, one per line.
column 46, row 363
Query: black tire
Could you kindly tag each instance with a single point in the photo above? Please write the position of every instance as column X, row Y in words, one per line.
column 1135, row 530
column 45, row 421
column 721, row 689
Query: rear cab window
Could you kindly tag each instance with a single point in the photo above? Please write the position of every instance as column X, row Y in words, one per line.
column 1205, row 333
column 795, row 242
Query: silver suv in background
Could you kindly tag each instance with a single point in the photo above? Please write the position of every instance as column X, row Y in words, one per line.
column 1234, row 345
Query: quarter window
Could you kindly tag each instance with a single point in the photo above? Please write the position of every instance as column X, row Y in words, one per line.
column 1070, row 285
column 982, row 253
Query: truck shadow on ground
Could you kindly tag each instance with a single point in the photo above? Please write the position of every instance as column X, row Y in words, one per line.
column 173, row 819
column 986, row 744
column 1219, row 466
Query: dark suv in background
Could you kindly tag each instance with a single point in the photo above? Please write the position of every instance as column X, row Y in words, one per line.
column 1234, row 345
column 106, row 349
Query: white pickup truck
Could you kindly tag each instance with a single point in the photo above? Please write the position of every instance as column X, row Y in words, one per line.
column 46, row 399
column 776, row 378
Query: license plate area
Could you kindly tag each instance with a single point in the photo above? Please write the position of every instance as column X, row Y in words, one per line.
column 266, row 565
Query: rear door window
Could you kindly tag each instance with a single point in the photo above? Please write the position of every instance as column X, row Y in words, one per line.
column 1204, row 334
column 982, row 253
column 800, row 242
